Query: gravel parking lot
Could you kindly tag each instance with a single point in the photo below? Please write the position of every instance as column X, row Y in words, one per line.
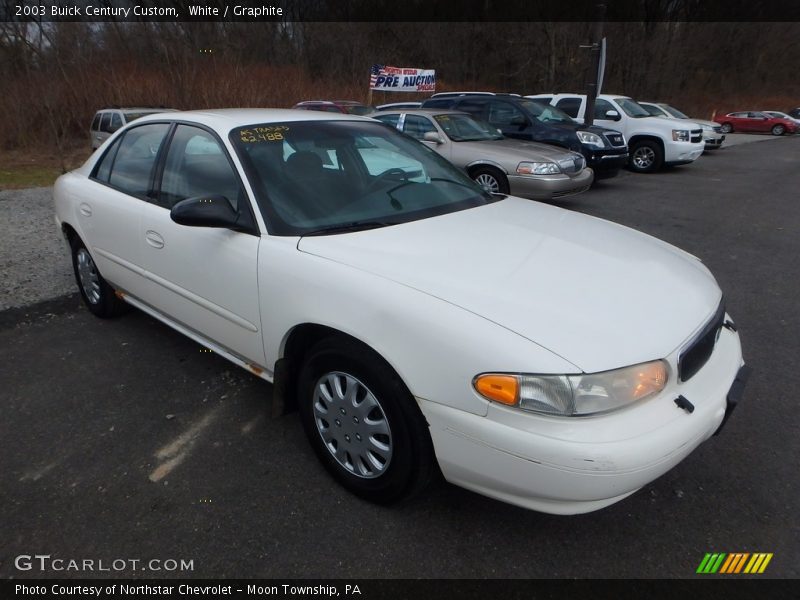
column 129, row 441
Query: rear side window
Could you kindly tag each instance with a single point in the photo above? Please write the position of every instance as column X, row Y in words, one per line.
column 116, row 122
column 571, row 106
column 105, row 123
column 103, row 169
column 389, row 119
column 133, row 165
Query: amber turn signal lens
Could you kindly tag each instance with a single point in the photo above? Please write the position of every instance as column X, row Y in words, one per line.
column 500, row 388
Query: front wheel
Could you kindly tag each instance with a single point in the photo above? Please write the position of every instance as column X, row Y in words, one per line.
column 491, row 179
column 778, row 130
column 646, row 157
column 363, row 423
column 98, row 296
column 726, row 128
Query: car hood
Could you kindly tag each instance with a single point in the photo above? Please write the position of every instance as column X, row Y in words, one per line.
column 514, row 151
column 701, row 122
column 598, row 294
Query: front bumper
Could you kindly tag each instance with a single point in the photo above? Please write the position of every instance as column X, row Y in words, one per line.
column 678, row 153
column 713, row 140
column 606, row 162
column 547, row 187
column 577, row 465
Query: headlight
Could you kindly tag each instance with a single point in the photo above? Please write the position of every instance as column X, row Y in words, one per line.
column 538, row 168
column 574, row 395
column 707, row 127
column 590, row 139
column 680, row 135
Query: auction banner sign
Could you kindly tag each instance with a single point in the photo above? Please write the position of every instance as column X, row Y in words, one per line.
column 401, row 79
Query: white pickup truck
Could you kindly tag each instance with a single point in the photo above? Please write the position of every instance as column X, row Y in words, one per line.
column 653, row 141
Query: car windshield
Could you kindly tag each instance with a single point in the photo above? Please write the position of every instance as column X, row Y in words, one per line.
column 358, row 109
column 631, row 108
column 674, row 111
column 544, row 112
column 320, row 177
column 463, row 128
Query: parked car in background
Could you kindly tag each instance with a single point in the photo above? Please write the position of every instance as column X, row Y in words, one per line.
column 605, row 150
column 347, row 107
column 540, row 356
column 109, row 120
column 398, row 106
column 795, row 113
column 500, row 165
column 783, row 115
column 712, row 132
column 753, row 121
column 653, row 141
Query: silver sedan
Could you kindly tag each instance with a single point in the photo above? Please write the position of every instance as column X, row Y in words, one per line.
column 506, row 166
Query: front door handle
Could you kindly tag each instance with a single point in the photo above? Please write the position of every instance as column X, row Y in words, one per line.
column 154, row 239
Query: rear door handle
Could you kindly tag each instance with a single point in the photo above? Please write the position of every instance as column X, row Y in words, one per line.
column 154, row 239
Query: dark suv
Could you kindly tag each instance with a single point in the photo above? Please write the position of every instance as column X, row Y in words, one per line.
column 605, row 150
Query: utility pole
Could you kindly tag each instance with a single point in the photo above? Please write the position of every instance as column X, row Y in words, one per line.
column 594, row 75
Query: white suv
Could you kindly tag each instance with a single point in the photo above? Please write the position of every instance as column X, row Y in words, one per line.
column 109, row 120
column 653, row 141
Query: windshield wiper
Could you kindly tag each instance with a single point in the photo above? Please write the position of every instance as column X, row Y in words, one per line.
column 347, row 227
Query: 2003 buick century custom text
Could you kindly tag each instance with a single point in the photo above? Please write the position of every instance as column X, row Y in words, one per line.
column 542, row 357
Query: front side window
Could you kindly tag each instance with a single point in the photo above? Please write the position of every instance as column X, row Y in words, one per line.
column 389, row 119
column 197, row 165
column 96, row 122
column 545, row 113
column 324, row 177
column 417, row 126
column 570, row 106
column 505, row 114
column 602, row 107
column 116, row 122
column 133, row 166
column 462, row 128
column 631, row 108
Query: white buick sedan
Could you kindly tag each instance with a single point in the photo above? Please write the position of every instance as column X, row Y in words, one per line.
column 538, row 356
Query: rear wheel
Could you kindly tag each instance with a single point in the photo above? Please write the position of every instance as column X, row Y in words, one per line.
column 363, row 423
column 98, row 296
column 778, row 129
column 491, row 179
column 726, row 128
column 646, row 156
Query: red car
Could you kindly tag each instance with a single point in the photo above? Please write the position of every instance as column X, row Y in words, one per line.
column 755, row 122
column 350, row 107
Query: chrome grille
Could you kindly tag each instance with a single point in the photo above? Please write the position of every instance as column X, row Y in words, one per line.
column 697, row 135
column 615, row 139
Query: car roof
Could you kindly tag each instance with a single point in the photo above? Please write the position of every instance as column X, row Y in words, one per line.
column 225, row 119
column 139, row 109
column 424, row 112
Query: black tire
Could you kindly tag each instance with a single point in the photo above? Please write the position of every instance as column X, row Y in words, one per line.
column 778, row 129
column 726, row 128
column 410, row 462
column 647, row 156
column 99, row 297
column 492, row 179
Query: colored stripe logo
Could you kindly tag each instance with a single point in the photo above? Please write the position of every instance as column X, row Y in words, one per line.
column 734, row 563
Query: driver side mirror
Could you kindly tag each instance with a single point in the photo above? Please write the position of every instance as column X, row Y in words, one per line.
column 432, row 136
column 206, row 211
column 612, row 115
